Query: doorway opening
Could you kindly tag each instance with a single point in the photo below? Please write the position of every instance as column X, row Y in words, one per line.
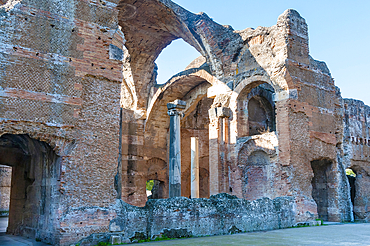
column 155, row 189
column 320, row 186
column 351, row 175
column 34, row 186
column 5, row 185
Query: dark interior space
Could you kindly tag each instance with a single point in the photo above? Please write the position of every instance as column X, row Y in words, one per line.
column 34, row 186
column 320, row 187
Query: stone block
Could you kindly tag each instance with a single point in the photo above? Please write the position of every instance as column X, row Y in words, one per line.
column 115, row 240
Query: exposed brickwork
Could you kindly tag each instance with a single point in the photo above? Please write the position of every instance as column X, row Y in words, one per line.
column 78, row 79
column 357, row 153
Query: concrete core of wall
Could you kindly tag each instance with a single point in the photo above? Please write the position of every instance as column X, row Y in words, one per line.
column 182, row 217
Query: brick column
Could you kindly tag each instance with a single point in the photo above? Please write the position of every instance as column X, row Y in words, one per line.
column 175, row 147
column 218, row 149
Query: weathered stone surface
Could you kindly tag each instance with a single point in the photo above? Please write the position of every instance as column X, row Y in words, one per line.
column 356, row 147
column 5, row 187
column 183, row 217
column 79, row 99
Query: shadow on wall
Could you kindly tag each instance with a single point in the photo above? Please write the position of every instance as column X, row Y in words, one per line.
column 34, row 186
column 183, row 217
column 256, row 111
column 359, row 183
column 322, row 191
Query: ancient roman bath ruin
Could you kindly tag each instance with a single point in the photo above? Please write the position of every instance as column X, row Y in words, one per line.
column 252, row 135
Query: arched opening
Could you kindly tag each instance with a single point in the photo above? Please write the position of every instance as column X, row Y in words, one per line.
column 147, row 37
column 157, row 179
column 194, row 123
column 155, row 189
column 34, row 186
column 174, row 59
column 256, row 111
column 260, row 116
column 322, row 190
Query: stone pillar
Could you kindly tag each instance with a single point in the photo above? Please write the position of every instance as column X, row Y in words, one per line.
column 5, row 187
column 194, row 167
column 175, row 147
column 218, row 149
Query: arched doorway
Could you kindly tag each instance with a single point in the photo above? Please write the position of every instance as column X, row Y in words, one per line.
column 34, row 186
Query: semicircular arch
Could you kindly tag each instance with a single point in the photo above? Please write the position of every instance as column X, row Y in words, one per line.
column 191, row 88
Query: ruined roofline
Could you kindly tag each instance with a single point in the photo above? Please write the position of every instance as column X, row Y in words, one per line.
column 285, row 15
column 186, row 15
column 357, row 102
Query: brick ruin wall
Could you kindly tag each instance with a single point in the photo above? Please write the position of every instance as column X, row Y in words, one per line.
column 183, row 217
column 59, row 85
column 356, row 145
column 67, row 76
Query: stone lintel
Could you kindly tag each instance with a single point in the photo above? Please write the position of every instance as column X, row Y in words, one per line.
column 177, row 104
column 220, row 112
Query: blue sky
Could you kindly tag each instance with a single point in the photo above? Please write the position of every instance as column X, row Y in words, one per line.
column 339, row 34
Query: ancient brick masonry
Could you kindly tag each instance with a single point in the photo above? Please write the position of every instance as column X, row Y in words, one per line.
column 356, row 146
column 84, row 126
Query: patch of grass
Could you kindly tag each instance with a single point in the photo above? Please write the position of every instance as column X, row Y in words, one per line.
column 300, row 226
column 322, row 222
column 103, row 244
column 163, row 238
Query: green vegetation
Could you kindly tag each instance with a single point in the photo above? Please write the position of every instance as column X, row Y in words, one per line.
column 149, row 185
column 4, row 213
column 322, row 222
column 301, row 225
column 103, row 244
column 163, row 238
column 350, row 172
column 106, row 244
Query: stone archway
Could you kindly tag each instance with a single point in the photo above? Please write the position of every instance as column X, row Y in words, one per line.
column 258, row 169
column 34, row 186
column 150, row 26
column 191, row 88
